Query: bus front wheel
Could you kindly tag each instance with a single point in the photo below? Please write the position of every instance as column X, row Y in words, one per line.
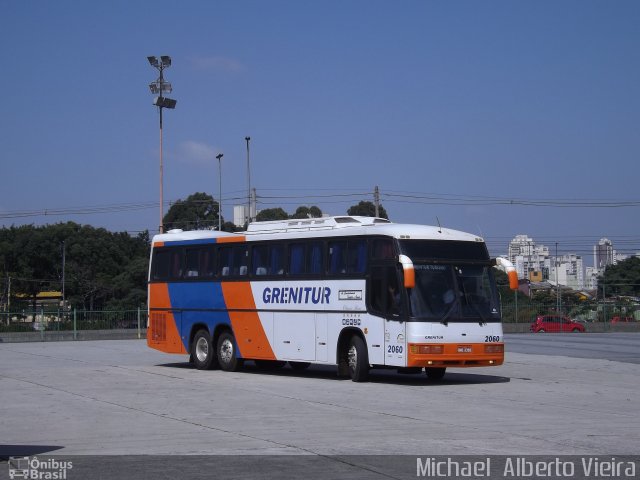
column 202, row 353
column 227, row 355
column 358, row 359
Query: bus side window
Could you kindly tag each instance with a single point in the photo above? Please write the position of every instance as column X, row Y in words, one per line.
column 384, row 291
column 337, row 257
column 314, row 258
column 176, row 264
column 348, row 257
column 226, row 261
column 161, row 261
column 383, row 249
column 207, row 262
column 276, row 260
column 241, row 260
column 192, row 266
column 357, row 256
column 259, row 260
column 296, row 259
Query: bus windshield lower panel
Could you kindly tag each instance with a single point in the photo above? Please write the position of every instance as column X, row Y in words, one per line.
column 452, row 293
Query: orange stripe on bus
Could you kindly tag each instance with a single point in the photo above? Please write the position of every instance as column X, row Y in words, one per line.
column 250, row 336
column 163, row 331
column 241, row 238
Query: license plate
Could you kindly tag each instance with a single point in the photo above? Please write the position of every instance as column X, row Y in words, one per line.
column 464, row 349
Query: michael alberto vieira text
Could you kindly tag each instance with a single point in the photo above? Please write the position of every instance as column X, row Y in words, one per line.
column 523, row 467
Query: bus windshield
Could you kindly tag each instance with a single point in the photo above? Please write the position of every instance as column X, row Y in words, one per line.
column 450, row 293
column 454, row 282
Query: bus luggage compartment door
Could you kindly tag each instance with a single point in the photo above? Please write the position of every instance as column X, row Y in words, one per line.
column 294, row 336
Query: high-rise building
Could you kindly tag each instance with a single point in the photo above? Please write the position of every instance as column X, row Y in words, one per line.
column 604, row 254
column 570, row 271
column 532, row 261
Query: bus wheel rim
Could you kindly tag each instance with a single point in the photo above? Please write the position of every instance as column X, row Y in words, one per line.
column 352, row 357
column 226, row 351
column 202, row 349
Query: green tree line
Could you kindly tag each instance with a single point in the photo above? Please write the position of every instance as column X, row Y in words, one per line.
column 102, row 269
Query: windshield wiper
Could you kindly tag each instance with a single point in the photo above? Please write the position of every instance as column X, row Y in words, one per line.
column 443, row 320
column 479, row 312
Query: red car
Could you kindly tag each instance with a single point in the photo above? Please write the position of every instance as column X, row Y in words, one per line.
column 622, row 320
column 555, row 323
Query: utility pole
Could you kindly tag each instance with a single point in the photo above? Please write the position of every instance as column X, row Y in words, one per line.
column 376, row 200
column 253, row 210
column 219, row 157
column 249, row 218
column 557, row 284
column 64, row 261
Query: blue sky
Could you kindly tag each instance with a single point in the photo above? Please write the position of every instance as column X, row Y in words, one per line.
column 459, row 110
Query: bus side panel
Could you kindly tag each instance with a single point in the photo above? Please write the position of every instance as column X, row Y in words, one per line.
column 251, row 337
column 162, row 333
column 199, row 303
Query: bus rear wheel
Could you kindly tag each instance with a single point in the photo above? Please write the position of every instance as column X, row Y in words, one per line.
column 435, row 373
column 227, row 354
column 358, row 359
column 202, row 352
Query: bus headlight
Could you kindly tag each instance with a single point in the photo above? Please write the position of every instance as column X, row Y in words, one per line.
column 494, row 349
column 426, row 349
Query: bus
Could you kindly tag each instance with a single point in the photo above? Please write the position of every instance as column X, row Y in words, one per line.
column 354, row 292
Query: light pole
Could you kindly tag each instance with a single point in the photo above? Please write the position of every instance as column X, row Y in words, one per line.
column 219, row 157
column 159, row 87
column 249, row 216
column 557, row 284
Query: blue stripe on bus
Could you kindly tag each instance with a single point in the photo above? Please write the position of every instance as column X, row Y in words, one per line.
column 208, row 296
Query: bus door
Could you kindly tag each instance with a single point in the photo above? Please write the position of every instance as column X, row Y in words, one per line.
column 386, row 300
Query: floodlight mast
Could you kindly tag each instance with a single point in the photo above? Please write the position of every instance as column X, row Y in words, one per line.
column 159, row 87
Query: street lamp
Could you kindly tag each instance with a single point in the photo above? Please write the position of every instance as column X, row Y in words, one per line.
column 219, row 157
column 249, row 216
column 159, row 88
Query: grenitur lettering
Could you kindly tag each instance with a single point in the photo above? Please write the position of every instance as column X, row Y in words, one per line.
column 297, row 295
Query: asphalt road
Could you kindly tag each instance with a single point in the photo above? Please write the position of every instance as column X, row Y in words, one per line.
column 619, row 347
column 567, row 394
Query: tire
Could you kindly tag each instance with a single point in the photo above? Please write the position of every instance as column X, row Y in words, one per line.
column 541, row 330
column 435, row 373
column 202, row 352
column 358, row 359
column 227, row 353
column 299, row 366
column 575, row 330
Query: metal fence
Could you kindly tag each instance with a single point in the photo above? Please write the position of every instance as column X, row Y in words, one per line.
column 601, row 316
column 607, row 312
column 74, row 320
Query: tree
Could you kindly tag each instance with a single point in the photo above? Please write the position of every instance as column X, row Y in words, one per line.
column 199, row 211
column 307, row 212
column 103, row 269
column 622, row 279
column 367, row 209
column 272, row 214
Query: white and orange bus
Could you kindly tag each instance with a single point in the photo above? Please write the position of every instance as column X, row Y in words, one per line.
column 355, row 292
